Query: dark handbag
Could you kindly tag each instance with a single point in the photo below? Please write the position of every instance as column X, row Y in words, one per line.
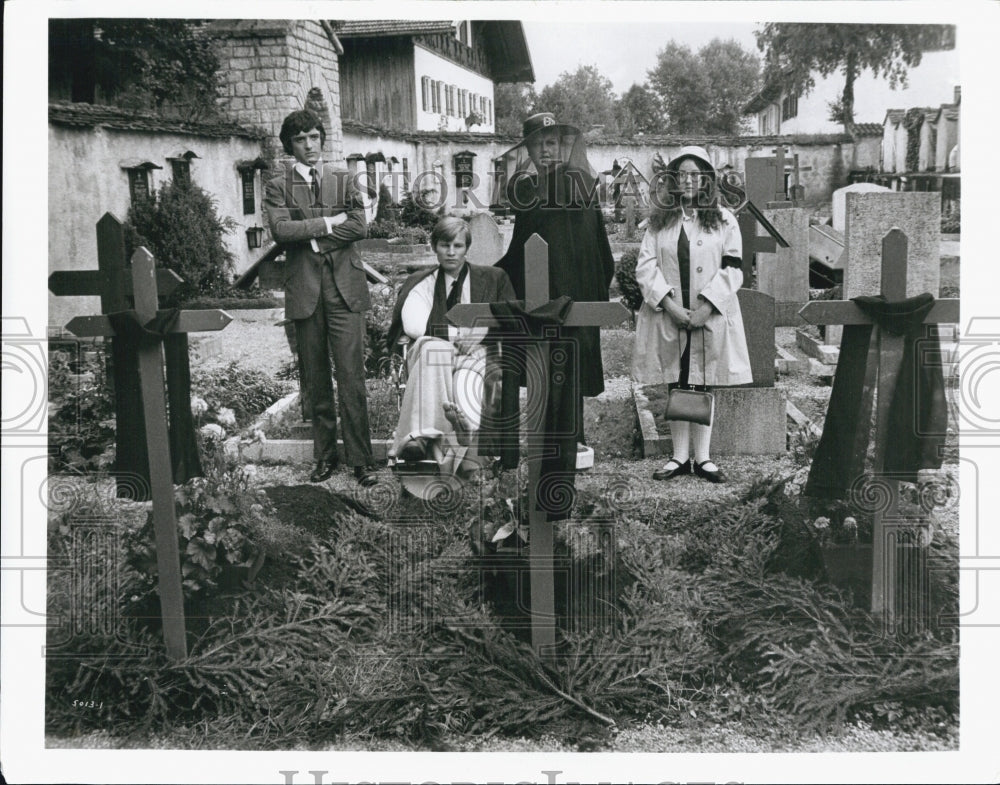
column 690, row 405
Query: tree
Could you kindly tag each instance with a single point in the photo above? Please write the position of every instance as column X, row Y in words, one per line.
column 704, row 92
column 583, row 98
column 168, row 65
column 794, row 53
column 513, row 104
column 639, row 112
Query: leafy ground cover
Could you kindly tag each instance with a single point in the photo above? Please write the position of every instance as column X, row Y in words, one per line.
column 379, row 622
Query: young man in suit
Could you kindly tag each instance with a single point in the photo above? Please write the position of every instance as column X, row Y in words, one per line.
column 316, row 213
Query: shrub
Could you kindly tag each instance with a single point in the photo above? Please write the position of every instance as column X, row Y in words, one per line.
column 951, row 222
column 221, row 522
column 413, row 235
column 382, row 229
column 415, row 212
column 393, row 230
column 181, row 227
column 245, row 391
column 234, row 298
column 625, row 275
column 377, row 321
column 82, row 421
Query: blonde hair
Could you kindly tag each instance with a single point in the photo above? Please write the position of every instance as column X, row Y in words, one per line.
column 448, row 228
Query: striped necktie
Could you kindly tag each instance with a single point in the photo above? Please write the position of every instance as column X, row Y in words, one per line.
column 314, row 184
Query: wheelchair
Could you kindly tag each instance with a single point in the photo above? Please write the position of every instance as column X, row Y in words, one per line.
column 417, row 476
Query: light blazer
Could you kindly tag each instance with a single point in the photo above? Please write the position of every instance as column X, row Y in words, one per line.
column 294, row 221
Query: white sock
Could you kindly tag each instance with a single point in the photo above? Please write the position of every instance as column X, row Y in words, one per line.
column 680, row 435
column 702, row 437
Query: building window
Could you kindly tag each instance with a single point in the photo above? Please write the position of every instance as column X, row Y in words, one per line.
column 463, row 168
column 425, row 86
column 449, row 95
column 180, row 167
column 248, row 183
column 181, row 171
column 248, row 180
column 140, row 187
column 789, row 107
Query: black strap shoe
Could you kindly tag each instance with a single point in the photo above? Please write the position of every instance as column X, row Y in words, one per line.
column 666, row 473
column 324, row 471
column 365, row 475
column 709, row 474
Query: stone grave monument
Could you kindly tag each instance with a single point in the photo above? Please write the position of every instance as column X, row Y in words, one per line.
column 784, row 274
column 840, row 200
column 487, row 243
column 868, row 216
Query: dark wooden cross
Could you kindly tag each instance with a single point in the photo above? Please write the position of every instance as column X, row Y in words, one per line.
column 150, row 365
column 759, row 184
column 883, row 364
column 581, row 314
column 112, row 281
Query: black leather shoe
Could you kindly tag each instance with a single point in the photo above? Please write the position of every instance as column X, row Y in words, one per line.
column 323, row 471
column 365, row 475
column 711, row 476
column 666, row 473
column 414, row 450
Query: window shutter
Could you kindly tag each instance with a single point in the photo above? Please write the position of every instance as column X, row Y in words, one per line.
column 425, row 84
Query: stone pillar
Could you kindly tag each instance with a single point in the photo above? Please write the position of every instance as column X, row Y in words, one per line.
column 273, row 67
column 784, row 274
column 869, row 217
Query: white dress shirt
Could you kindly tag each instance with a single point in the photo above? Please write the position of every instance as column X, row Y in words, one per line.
column 420, row 301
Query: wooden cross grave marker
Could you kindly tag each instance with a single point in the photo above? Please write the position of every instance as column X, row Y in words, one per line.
column 759, row 190
column 581, row 314
column 884, row 361
column 112, row 281
column 150, row 364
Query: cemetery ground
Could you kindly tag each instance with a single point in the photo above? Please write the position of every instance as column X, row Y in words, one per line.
column 364, row 627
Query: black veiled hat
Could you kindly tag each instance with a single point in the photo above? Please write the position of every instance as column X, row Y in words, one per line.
column 544, row 120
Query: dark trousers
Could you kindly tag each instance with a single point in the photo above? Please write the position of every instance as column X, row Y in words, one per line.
column 334, row 330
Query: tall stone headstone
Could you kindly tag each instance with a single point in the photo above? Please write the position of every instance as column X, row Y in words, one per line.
column 758, row 325
column 869, row 217
column 784, row 274
column 487, row 244
column 840, row 196
column 750, row 420
column 631, row 216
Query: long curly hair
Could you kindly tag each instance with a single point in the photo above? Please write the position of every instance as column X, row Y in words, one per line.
column 665, row 195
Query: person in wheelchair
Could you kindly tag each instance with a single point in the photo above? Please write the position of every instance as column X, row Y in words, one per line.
column 442, row 405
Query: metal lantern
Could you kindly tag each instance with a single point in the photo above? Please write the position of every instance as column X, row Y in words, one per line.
column 255, row 236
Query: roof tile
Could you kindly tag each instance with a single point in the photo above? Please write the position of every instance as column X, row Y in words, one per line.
column 92, row 115
column 368, row 28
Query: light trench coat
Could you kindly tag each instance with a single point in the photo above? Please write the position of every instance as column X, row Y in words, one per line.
column 659, row 343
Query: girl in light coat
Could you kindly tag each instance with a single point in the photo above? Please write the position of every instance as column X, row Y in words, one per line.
column 689, row 330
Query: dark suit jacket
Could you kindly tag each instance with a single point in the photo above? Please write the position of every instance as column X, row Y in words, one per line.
column 486, row 285
column 294, row 221
column 498, row 430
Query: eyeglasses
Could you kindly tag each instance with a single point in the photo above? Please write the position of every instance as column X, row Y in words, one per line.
column 695, row 176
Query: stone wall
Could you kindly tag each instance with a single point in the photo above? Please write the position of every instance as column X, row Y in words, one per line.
column 85, row 180
column 824, row 161
column 272, row 68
